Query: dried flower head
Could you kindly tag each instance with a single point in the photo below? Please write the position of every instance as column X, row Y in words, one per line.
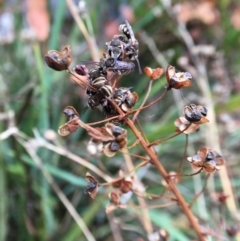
column 59, row 60
column 177, row 80
column 92, row 186
column 195, row 113
column 206, row 159
column 153, row 74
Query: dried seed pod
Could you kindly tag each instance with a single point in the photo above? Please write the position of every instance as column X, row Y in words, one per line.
column 232, row 231
column 195, row 114
column 177, row 80
column 206, row 159
column 125, row 186
column 59, row 60
column 114, row 197
column 68, row 128
column 70, row 113
column 81, row 69
column 220, row 197
column 153, row 74
column 192, row 114
column 182, row 123
column 92, row 186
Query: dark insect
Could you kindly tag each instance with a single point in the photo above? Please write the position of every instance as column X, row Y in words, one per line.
column 132, row 47
column 100, row 98
column 115, row 49
column 96, row 80
column 117, row 67
column 125, row 98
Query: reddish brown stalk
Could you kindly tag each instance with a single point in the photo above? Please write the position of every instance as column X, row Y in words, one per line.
column 167, row 138
column 150, row 104
column 154, row 159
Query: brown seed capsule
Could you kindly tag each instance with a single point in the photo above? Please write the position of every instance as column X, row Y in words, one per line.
column 195, row 113
column 182, row 123
column 81, row 69
column 177, row 80
column 92, row 186
column 59, row 60
column 114, row 197
column 206, row 159
column 68, row 128
column 125, row 186
column 153, row 74
column 70, row 113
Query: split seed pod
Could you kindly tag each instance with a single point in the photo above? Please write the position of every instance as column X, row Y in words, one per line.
column 182, row 123
column 68, row 128
column 177, row 80
column 59, row 60
column 206, row 159
column 153, row 74
column 92, row 186
column 195, row 113
column 70, row 113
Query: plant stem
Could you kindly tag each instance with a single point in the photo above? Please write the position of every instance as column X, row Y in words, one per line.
column 154, row 159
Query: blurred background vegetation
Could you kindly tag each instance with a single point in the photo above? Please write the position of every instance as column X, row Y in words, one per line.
column 201, row 37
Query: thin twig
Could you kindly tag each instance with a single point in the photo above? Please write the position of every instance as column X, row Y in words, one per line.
column 198, row 195
column 66, row 153
column 145, row 218
column 144, row 101
column 167, row 138
column 184, row 155
column 150, row 104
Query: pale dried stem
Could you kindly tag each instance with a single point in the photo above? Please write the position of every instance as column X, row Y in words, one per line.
column 90, row 40
column 145, row 219
column 151, row 206
column 57, row 190
column 144, row 101
column 73, row 157
column 184, row 155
